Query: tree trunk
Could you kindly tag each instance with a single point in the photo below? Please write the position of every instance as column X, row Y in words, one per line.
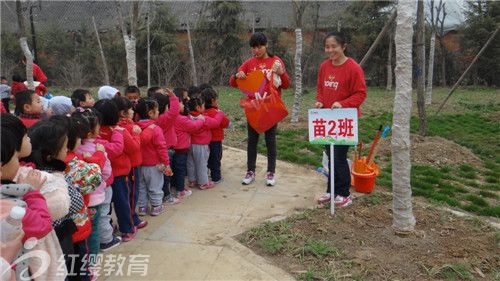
column 191, row 54
column 298, row 76
column 403, row 219
column 389, row 65
column 131, row 62
column 149, row 50
column 378, row 39
column 103, row 58
column 443, row 63
column 24, row 45
column 430, row 69
column 420, row 69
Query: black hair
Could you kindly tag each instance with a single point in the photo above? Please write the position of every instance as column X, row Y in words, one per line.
column 208, row 95
column 153, row 90
column 22, row 98
column 8, row 147
column 79, row 95
column 122, row 103
column 90, row 115
column 109, row 112
column 194, row 102
column 17, row 78
column 178, row 92
column 3, row 78
column 339, row 37
column 47, row 140
column 259, row 39
column 132, row 89
column 205, row 86
column 193, row 91
column 15, row 126
column 144, row 106
column 162, row 100
column 77, row 128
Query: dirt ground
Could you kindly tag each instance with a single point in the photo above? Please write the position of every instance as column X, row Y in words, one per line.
column 444, row 246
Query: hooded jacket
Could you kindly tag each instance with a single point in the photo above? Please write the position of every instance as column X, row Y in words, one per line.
column 153, row 145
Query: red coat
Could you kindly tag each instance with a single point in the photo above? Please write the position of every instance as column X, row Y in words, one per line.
column 204, row 135
column 153, row 145
column 38, row 74
column 135, row 157
column 120, row 163
column 28, row 122
column 218, row 133
column 184, row 127
column 166, row 122
column 16, row 87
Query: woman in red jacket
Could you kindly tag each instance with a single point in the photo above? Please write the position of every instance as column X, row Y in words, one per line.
column 267, row 63
column 341, row 83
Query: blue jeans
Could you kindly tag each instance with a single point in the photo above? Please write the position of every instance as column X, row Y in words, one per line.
column 133, row 181
column 214, row 160
column 121, row 195
column 342, row 174
column 179, row 167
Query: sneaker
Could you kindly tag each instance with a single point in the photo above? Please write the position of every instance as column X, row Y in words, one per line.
column 129, row 236
column 172, row 200
column 111, row 244
column 325, row 198
column 208, row 185
column 270, row 179
column 157, row 210
column 219, row 181
column 249, row 178
column 142, row 224
column 342, row 201
column 193, row 184
column 142, row 211
column 185, row 193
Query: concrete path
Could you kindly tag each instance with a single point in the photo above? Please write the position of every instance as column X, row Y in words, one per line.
column 193, row 240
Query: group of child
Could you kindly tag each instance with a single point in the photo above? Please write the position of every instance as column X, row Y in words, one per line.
column 66, row 162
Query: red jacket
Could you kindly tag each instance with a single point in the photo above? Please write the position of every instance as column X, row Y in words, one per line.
column 166, row 122
column 28, row 122
column 341, row 83
column 38, row 74
column 121, row 162
column 184, row 126
column 2, row 108
column 204, row 135
column 217, row 133
column 264, row 65
column 16, row 87
column 37, row 221
column 136, row 156
column 153, row 145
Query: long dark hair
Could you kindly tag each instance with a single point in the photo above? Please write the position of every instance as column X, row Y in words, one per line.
column 144, row 106
column 47, row 140
column 260, row 39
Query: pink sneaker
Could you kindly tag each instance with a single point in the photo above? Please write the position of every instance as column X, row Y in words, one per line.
column 157, row 210
column 208, row 185
column 129, row 236
column 325, row 198
column 342, row 201
column 185, row 193
column 193, row 184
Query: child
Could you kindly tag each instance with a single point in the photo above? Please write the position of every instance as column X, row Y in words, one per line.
column 133, row 94
column 155, row 160
column 153, row 90
column 61, row 105
column 126, row 113
column 193, row 91
column 82, row 98
column 17, row 86
column 29, row 107
column 211, row 109
column 199, row 152
column 120, row 164
column 182, row 94
column 107, row 92
column 184, row 126
column 5, row 92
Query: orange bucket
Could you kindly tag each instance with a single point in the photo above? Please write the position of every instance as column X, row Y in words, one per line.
column 365, row 182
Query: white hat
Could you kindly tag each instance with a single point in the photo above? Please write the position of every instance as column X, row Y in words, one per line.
column 61, row 105
column 107, row 92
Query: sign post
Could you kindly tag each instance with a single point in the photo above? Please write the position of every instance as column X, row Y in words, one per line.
column 333, row 127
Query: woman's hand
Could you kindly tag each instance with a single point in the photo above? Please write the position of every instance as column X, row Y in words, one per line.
column 278, row 68
column 336, row 105
column 318, row 104
column 240, row 75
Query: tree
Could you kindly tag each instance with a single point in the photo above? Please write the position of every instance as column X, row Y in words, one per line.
column 130, row 40
column 389, row 63
column 440, row 22
column 21, row 35
column 381, row 35
column 420, row 69
column 403, row 219
column 103, row 57
column 432, row 48
column 298, row 8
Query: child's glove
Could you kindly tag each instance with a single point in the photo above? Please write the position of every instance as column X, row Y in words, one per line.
column 166, row 170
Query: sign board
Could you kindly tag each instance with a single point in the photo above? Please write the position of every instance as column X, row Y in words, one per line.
column 333, row 126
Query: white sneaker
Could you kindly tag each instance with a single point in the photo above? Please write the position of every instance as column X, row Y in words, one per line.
column 270, row 179
column 249, row 178
column 324, row 198
column 342, row 201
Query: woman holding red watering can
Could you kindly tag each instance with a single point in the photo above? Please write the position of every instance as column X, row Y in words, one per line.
column 274, row 71
column 341, row 83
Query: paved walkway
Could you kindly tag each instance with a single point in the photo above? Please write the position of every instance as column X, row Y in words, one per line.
column 193, row 240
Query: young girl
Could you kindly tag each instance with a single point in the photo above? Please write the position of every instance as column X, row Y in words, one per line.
column 155, row 160
column 82, row 98
column 267, row 63
column 184, row 126
column 126, row 113
column 348, row 90
column 120, row 164
column 199, row 152
column 29, row 107
column 209, row 96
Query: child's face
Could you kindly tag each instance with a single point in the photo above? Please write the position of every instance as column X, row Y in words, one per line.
column 153, row 114
column 129, row 114
column 259, row 51
column 9, row 169
column 64, row 150
column 36, row 105
column 133, row 97
column 200, row 108
column 89, row 101
column 25, row 147
column 185, row 96
column 3, row 81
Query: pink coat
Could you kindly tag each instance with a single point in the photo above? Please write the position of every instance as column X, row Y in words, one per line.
column 166, row 122
column 204, row 135
column 184, row 126
column 153, row 146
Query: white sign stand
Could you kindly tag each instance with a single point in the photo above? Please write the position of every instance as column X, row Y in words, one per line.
column 332, row 180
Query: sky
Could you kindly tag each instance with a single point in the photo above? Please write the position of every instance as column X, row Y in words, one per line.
column 454, row 10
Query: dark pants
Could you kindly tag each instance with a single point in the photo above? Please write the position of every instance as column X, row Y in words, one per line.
column 179, row 167
column 214, row 160
column 166, row 179
column 64, row 233
column 6, row 104
column 341, row 169
column 81, row 270
column 253, row 139
column 93, row 239
column 133, row 181
column 120, row 199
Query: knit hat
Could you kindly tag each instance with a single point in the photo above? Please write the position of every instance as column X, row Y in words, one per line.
column 107, row 92
column 61, row 105
column 45, row 104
